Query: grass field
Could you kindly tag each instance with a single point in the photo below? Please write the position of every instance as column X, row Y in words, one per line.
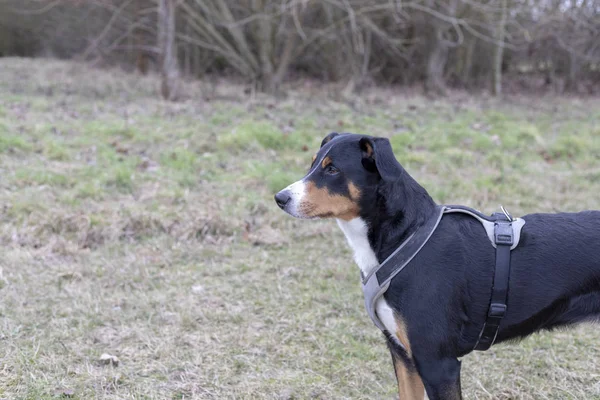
column 144, row 230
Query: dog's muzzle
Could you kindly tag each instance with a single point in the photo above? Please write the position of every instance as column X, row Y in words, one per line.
column 290, row 199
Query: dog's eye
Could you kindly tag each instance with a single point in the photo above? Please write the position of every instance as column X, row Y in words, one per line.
column 331, row 170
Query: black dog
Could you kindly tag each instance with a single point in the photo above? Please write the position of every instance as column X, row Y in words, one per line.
column 434, row 309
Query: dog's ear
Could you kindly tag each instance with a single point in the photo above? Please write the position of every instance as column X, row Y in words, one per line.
column 328, row 138
column 377, row 156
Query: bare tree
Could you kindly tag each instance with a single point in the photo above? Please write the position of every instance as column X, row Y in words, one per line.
column 499, row 51
column 169, row 70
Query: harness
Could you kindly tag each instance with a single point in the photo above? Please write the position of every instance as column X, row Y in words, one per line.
column 503, row 232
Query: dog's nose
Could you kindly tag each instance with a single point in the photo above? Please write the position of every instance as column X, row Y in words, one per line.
column 282, row 198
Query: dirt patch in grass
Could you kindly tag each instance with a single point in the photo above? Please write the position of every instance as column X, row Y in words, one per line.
column 147, row 231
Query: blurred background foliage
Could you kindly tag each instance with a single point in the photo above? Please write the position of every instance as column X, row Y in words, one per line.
column 471, row 44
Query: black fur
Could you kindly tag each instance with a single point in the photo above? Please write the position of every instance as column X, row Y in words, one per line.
column 444, row 293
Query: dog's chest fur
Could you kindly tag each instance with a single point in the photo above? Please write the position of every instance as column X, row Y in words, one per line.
column 356, row 234
column 356, row 231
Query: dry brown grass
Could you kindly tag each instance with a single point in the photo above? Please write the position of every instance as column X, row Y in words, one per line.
column 147, row 231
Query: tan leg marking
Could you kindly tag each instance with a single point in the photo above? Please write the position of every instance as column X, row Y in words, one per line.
column 402, row 335
column 410, row 385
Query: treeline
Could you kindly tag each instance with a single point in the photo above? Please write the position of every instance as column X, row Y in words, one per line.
column 439, row 43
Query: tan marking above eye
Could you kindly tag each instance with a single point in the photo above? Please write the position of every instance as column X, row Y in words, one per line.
column 313, row 159
column 326, row 161
column 319, row 202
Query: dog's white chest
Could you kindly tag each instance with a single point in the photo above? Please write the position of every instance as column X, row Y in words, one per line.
column 356, row 231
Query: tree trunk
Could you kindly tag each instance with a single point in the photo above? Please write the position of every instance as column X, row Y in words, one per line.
column 573, row 73
column 168, row 49
column 468, row 62
column 142, row 59
column 499, row 52
column 436, row 63
column 265, row 48
column 285, row 60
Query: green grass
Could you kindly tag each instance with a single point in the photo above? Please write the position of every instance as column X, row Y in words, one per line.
column 147, row 230
column 29, row 176
column 12, row 143
column 256, row 136
column 56, row 151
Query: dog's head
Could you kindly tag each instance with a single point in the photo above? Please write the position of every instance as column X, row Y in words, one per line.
column 343, row 179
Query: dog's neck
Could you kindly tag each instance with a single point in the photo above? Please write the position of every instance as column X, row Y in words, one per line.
column 403, row 206
column 373, row 237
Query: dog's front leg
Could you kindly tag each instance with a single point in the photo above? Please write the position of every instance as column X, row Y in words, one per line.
column 441, row 377
column 410, row 385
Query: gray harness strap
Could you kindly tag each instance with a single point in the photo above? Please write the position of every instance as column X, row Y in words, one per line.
column 377, row 282
column 488, row 223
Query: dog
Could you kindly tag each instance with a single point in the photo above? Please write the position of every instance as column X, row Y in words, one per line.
column 432, row 308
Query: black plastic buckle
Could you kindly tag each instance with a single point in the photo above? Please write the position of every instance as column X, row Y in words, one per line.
column 503, row 233
column 497, row 310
